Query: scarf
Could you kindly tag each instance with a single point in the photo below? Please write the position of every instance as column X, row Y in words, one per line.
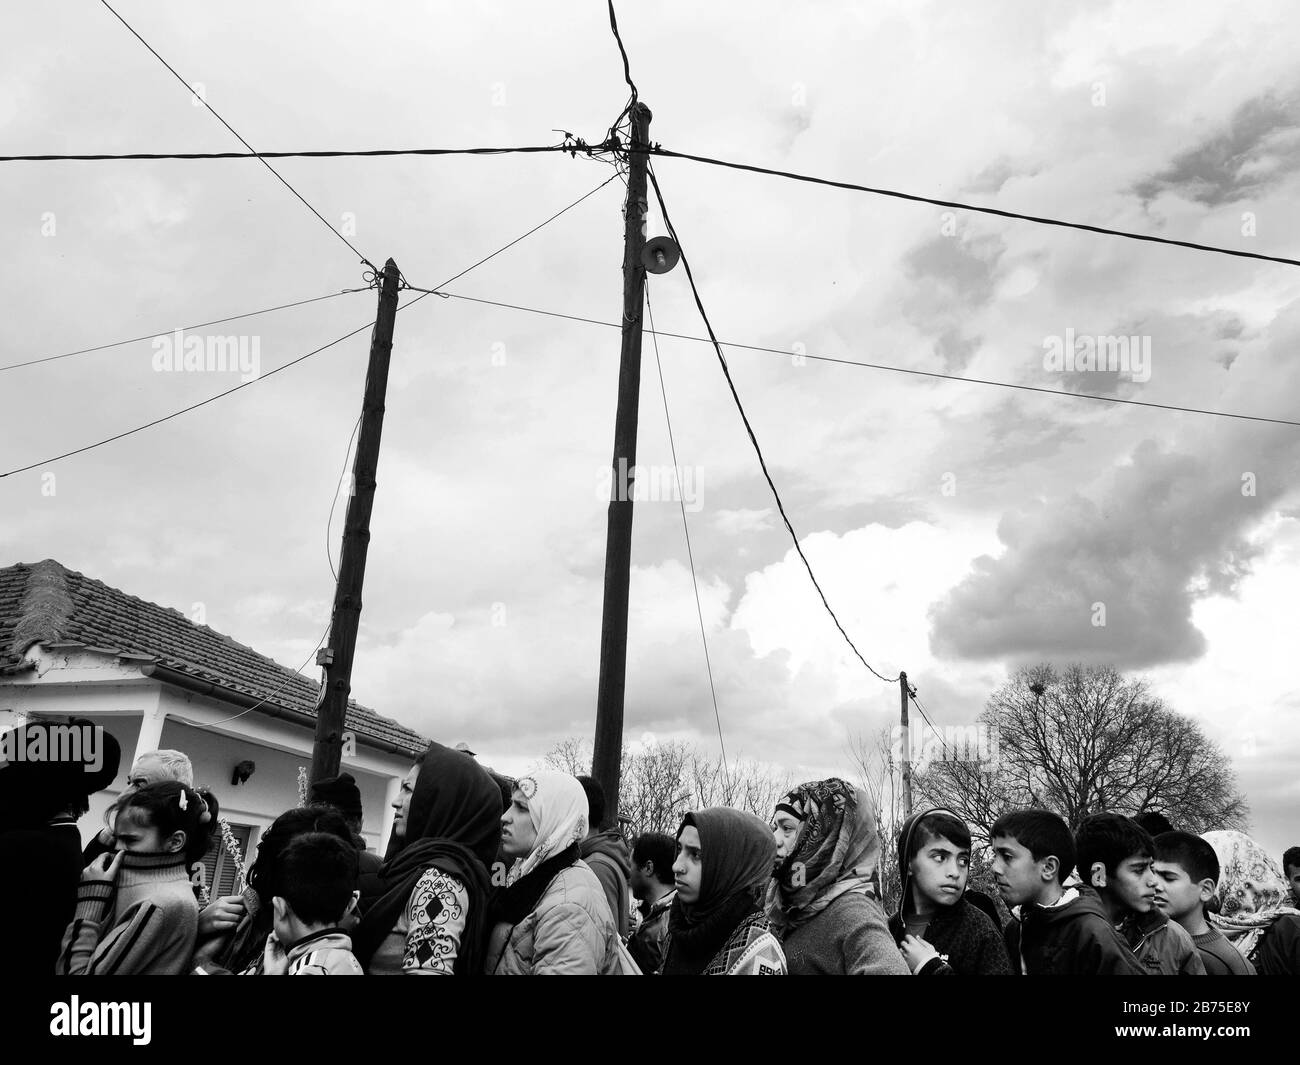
column 737, row 852
column 837, row 851
column 558, row 807
column 1251, row 893
column 453, row 825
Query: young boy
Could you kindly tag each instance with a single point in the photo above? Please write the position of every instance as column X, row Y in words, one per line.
column 937, row 929
column 1187, row 871
column 1054, row 930
column 1291, row 867
column 652, row 886
column 318, row 877
column 1115, row 856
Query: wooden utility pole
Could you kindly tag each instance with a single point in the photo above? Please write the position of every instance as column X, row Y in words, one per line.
column 903, row 692
column 607, row 756
column 336, row 658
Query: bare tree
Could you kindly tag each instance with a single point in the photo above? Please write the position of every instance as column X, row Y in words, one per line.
column 659, row 784
column 1084, row 740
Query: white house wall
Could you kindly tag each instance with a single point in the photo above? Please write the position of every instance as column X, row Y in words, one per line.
column 216, row 735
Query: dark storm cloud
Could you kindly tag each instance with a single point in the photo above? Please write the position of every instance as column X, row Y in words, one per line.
column 1169, row 528
column 1256, row 151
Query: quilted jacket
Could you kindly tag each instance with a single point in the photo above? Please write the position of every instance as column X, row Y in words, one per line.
column 569, row 933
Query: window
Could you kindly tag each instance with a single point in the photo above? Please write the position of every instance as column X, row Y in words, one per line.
column 219, row 868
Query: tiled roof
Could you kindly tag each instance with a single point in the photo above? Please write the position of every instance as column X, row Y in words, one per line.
column 48, row 604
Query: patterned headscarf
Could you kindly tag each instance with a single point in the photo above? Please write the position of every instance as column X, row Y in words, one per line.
column 837, row 851
column 558, row 807
column 1251, row 894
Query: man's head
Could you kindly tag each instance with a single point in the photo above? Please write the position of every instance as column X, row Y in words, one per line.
column 342, row 793
column 652, row 864
column 595, row 804
column 1187, row 871
column 157, row 766
column 1115, row 856
column 1291, row 868
column 936, row 854
column 317, row 885
column 1033, row 853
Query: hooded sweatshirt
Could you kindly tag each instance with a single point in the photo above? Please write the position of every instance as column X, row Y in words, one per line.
column 1074, row 937
column 611, row 861
column 968, row 942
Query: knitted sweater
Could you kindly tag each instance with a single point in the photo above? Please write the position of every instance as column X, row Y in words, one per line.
column 848, row 938
column 967, row 941
column 1220, row 957
column 144, row 923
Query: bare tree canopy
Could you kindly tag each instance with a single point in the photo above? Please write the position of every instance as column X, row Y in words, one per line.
column 1083, row 740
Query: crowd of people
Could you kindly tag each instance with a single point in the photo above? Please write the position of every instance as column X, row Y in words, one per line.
column 485, row 875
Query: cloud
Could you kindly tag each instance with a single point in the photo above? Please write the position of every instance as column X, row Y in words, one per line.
column 1257, row 150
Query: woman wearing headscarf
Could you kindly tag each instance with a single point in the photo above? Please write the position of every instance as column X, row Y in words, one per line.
column 1251, row 905
column 552, row 917
column 430, row 916
column 716, row 926
column 823, row 900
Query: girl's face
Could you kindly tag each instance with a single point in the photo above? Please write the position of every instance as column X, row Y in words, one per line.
column 134, row 833
column 688, row 869
column 518, row 833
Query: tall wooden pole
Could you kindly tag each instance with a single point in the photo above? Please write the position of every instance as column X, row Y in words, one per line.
column 607, row 756
column 336, row 658
column 907, row 747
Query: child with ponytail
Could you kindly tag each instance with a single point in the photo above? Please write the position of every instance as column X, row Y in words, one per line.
column 136, row 913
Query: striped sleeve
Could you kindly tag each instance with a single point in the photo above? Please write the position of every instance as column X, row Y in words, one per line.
column 128, row 947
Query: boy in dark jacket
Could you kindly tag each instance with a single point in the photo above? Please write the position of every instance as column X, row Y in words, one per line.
column 1188, row 872
column 939, row 932
column 1054, row 931
column 1115, row 856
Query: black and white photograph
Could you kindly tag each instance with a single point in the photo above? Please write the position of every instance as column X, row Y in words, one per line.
column 583, row 487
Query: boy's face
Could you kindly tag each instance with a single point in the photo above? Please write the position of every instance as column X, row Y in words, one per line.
column 1133, row 885
column 1019, row 878
column 939, row 870
column 1177, row 894
column 639, row 881
column 1293, row 878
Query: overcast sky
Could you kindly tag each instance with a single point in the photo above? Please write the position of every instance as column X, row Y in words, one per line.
column 958, row 529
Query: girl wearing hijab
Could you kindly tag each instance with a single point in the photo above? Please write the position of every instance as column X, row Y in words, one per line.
column 430, row 916
column 552, row 917
column 1251, row 905
column 716, row 926
column 823, row 899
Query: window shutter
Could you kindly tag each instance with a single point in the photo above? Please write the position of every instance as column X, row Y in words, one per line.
column 219, row 868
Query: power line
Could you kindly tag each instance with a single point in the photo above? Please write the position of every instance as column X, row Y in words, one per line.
column 955, row 205
column 241, row 140
column 293, row 362
column 329, row 522
column 587, row 150
column 885, row 366
column 505, row 247
column 663, row 209
column 191, row 407
column 163, row 332
column 686, row 529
